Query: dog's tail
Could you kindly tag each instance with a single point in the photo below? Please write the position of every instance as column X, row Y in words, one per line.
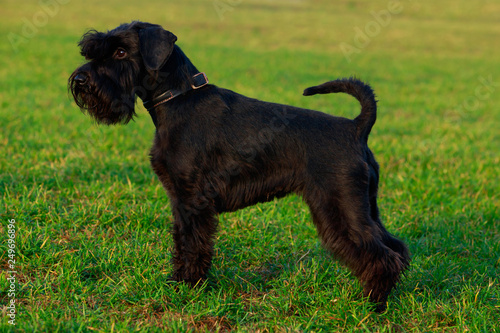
column 363, row 93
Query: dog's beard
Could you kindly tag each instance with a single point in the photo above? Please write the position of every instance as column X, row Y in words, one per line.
column 107, row 105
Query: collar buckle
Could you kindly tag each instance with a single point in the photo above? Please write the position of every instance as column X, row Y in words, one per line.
column 199, row 80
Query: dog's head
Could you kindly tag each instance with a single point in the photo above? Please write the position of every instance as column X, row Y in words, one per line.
column 122, row 63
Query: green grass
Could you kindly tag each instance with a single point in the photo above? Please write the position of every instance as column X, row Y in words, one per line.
column 92, row 221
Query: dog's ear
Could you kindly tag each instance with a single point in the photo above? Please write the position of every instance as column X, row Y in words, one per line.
column 156, row 45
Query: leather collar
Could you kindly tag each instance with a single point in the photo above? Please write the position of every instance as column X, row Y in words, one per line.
column 199, row 80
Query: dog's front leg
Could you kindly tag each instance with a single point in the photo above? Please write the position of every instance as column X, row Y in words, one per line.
column 193, row 235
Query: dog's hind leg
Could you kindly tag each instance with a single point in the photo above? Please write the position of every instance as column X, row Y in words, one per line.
column 342, row 218
column 389, row 240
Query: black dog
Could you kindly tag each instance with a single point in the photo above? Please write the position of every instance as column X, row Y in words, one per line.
column 217, row 151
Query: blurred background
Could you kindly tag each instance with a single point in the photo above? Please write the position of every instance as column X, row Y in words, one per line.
column 74, row 186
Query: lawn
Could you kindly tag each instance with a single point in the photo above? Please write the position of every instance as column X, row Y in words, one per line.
column 90, row 223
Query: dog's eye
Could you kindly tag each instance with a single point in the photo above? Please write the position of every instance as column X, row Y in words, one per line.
column 120, row 54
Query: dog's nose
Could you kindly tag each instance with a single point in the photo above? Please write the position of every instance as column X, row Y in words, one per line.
column 81, row 79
